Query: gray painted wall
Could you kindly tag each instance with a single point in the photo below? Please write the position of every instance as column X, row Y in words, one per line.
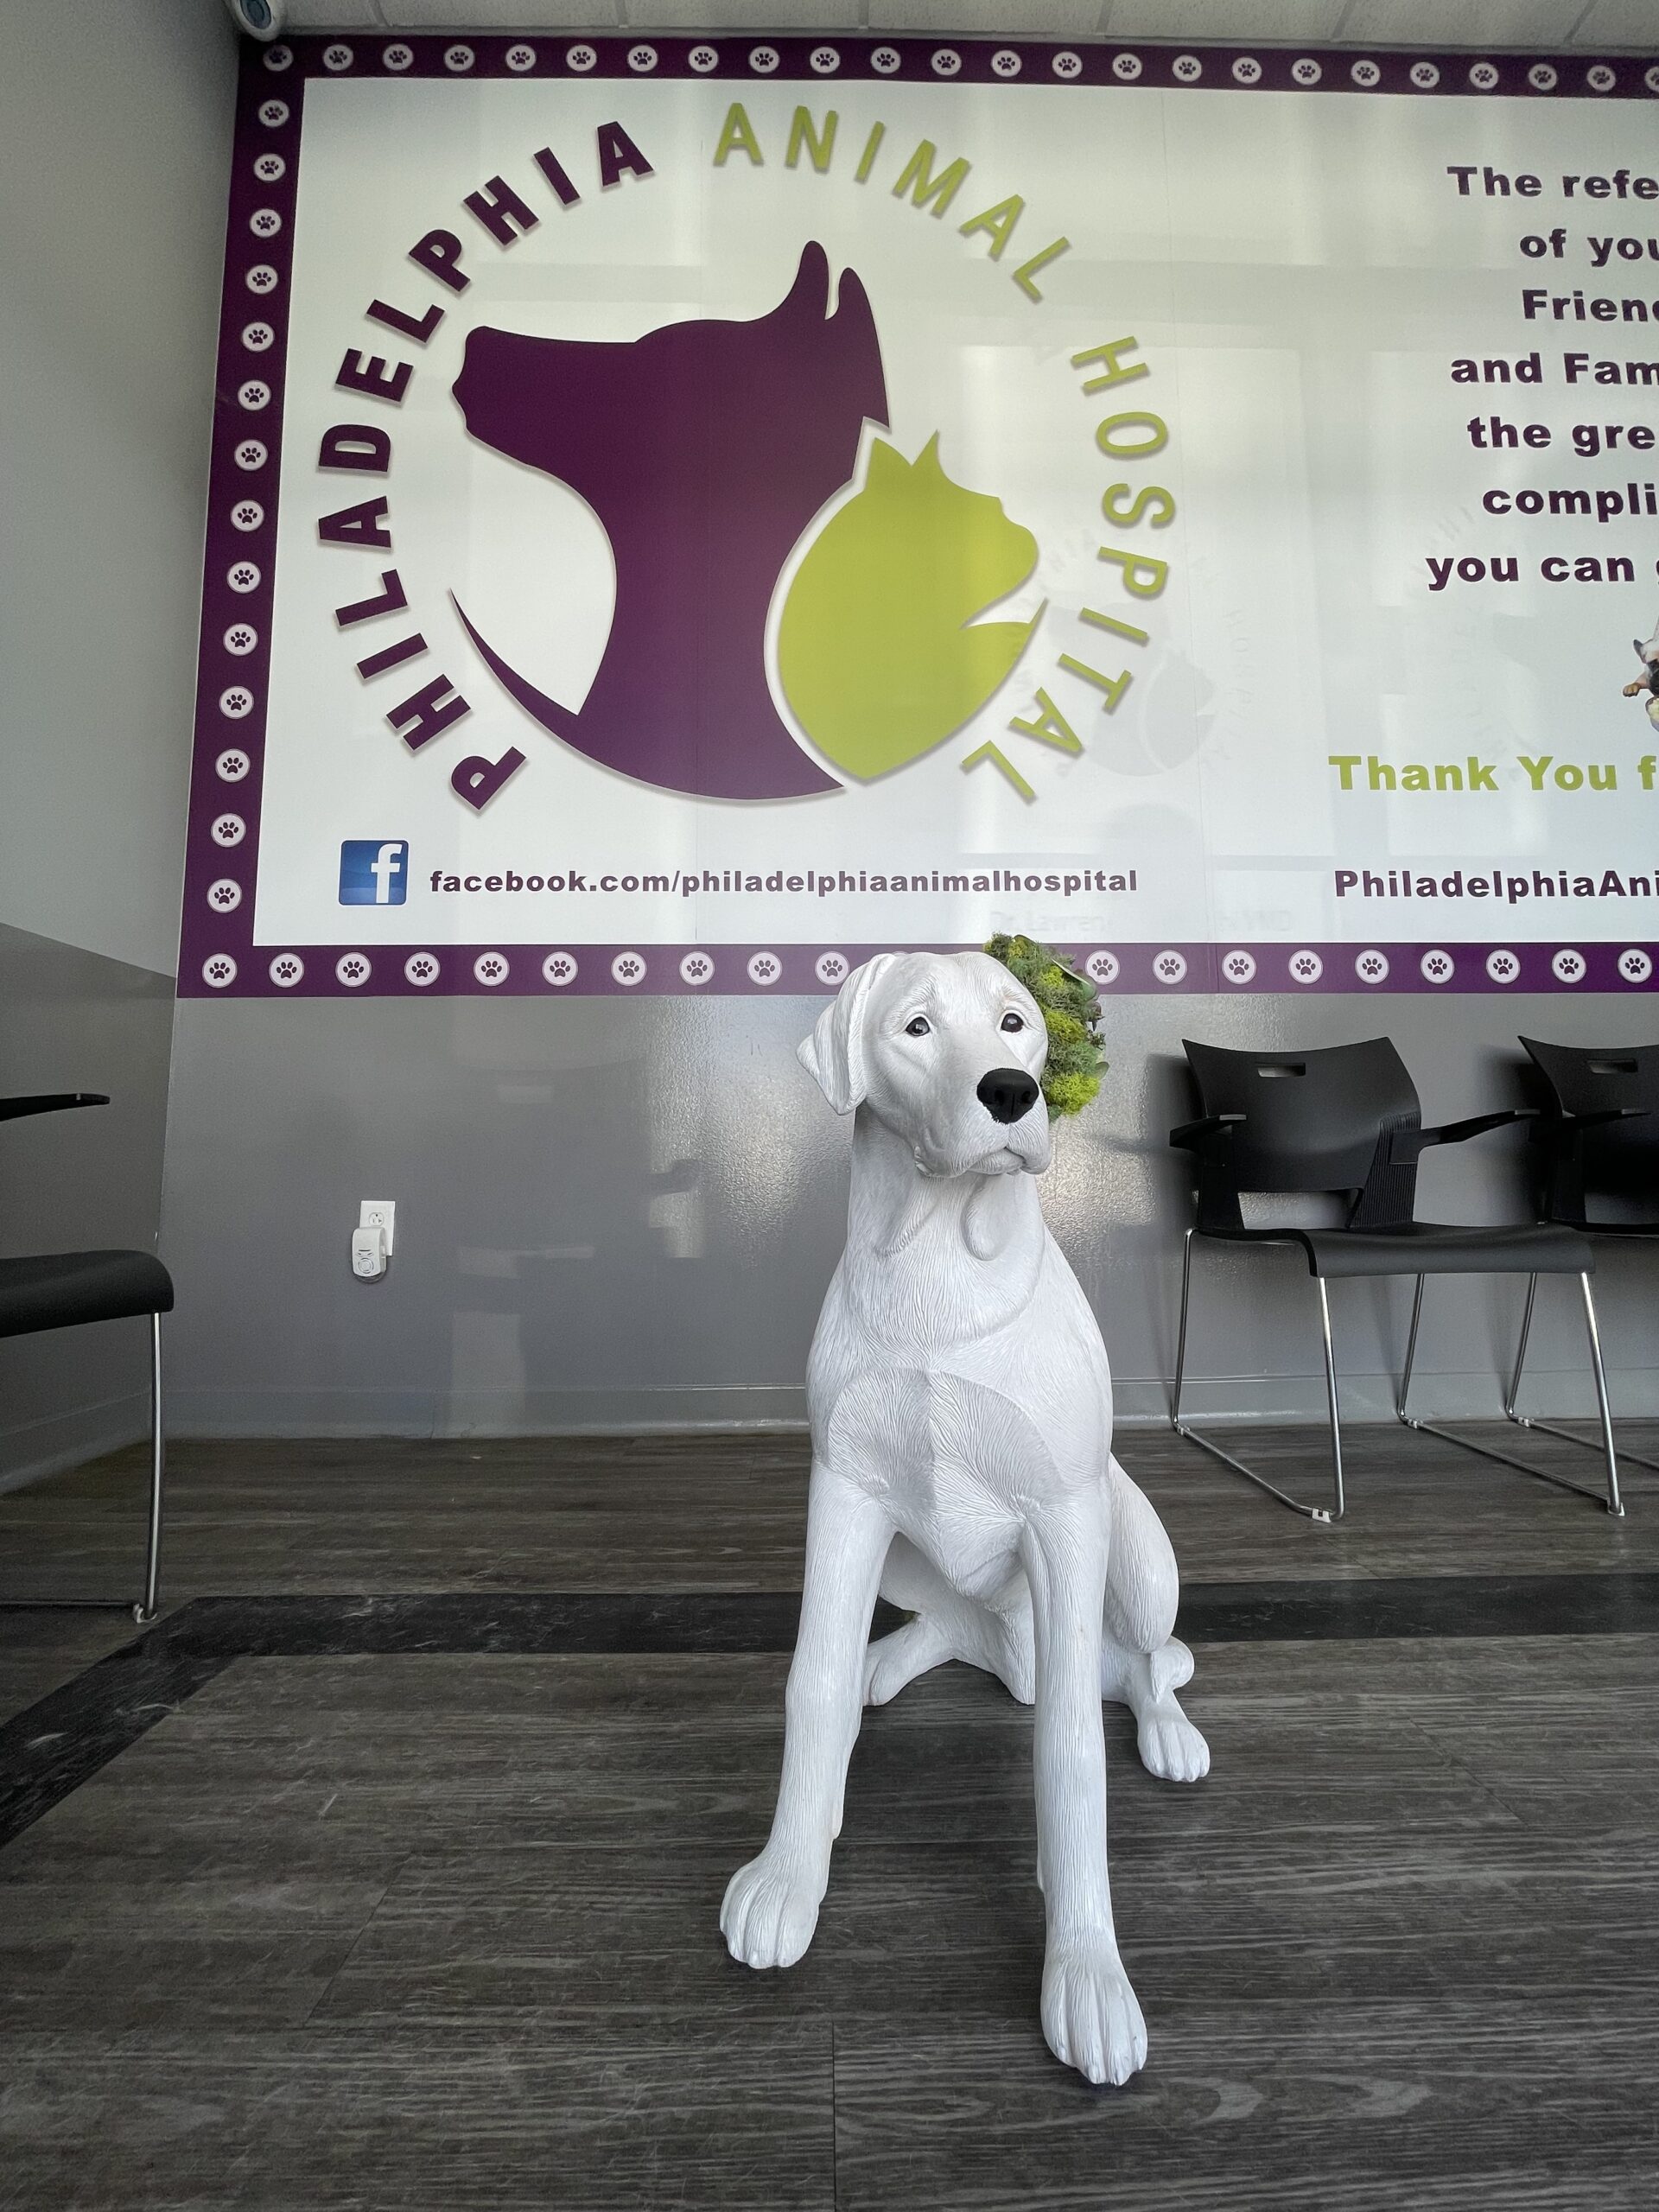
column 617, row 1212
column 115, row 140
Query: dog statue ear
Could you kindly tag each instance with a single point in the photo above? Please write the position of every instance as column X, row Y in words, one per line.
column 834, row 1054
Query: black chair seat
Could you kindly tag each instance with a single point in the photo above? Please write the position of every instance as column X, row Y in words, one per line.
column 1429, row 1248
column 59, row 1290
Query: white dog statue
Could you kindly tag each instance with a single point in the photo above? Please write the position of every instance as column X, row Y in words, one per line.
column 961, row 1410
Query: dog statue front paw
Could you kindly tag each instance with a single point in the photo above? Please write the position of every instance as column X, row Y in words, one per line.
column 770, row 1909
column 1091, row 2019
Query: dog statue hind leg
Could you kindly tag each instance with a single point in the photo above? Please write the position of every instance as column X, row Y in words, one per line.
column 1142, row 1662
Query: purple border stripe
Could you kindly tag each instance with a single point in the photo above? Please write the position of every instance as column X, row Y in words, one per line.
column 686, row 970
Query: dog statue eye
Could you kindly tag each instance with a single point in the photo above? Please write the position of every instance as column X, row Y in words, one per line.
column 920, row 1028
column 1014, row 1021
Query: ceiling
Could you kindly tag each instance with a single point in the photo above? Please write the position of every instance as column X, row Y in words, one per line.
column 1546, row 26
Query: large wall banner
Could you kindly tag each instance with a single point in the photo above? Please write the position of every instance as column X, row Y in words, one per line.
column 686, row 514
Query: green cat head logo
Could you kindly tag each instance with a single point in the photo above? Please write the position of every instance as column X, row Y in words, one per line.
column 879, row 650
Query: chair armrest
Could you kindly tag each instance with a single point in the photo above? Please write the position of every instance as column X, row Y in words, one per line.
column 1195, row 1137
column 1408, row 1145
column 13, row 1109
column 1563, row 1130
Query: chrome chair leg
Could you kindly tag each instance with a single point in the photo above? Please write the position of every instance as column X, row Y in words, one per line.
column 1504, row 1458
column 144, row 1611
column 1550, row 1428
column 1181, row 1428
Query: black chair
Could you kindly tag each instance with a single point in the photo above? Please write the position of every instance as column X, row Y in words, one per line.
column 1600, row 1139
column 1347, row 1120
column 61, row 1290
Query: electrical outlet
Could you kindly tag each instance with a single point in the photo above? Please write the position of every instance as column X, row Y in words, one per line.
column 379, row 1213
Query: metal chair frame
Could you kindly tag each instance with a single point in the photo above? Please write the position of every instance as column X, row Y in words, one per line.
column 1386, row 1197
column 143, row 1611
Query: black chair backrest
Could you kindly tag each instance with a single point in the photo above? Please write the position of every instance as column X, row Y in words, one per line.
column 1617, row 1157
column 1312, row 1121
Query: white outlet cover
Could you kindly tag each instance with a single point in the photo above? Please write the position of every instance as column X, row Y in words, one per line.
column 379, row 1213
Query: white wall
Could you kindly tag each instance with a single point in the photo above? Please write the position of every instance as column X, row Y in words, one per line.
column 115, row 129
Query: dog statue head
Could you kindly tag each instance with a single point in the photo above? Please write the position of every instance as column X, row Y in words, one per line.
column 945, row 1050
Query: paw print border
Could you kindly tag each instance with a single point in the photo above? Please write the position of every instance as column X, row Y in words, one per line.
column 250, row 391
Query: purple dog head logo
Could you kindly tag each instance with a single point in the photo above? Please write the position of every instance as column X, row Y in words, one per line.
column 705, row 449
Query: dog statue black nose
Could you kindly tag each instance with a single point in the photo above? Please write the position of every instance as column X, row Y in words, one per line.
column 1007, row 1094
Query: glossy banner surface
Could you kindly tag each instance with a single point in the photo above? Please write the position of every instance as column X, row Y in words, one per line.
column 685, row 515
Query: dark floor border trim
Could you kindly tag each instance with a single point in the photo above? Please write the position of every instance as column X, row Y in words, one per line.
column 49, row 1750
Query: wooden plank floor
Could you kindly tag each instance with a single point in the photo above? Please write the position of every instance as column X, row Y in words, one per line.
column 438, row 1930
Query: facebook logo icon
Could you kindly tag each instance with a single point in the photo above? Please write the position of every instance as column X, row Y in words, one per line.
column 374, row 872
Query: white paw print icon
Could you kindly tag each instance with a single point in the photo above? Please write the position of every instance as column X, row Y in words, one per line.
column 278, row 58
column 1502, row 966
column 262, row 277
column 1126, row 68
column 254, row 395
column 228, row 829
column 397, row 57
column 490, row 969
column 832, row 968
column 231, row 765
column 581, row 58
column 246, row 515
column 1366, row 74
column 1238, row 967
column 947, row 62
column 251, row 454
column 1371, row 966
column 235, row 702
column 1635, row 965
column 271, row 168
column 264, row 222
column 765, row 968
column 1569, row 966
column 1437, row 967
column 521, row 58
column 628, row 969
column 336, row 58
column 1651, row 80
column 458, row 60
column 702, row 59
column 258, row 337
column 1169, row 967
column 1306, row 966
column 695, row 969
column 1004, row 63
column 763, row 60
column 218, row 972
column 1306, row 70
column 353, row 969
column 1247, row 70
column 1483, row 76
column 421, row 969
column 241, row 639
column 1600, row 78
column 559, row 968
column 1542, row 78
column 287, row 969
column 224, row 896
column 244, row 577
column 274, row 114
column 1425, row 76
column 823, row 60
column 1102, row 967
column 642, row 59
column 1067, row 65
column 884, row 60
column 1186, row 68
